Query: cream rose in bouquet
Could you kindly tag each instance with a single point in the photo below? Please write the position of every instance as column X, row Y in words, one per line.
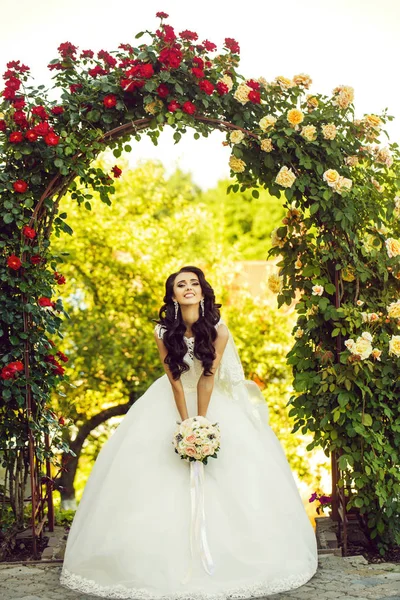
column 196, row 438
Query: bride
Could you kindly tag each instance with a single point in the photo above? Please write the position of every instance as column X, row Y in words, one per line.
column 150, row 525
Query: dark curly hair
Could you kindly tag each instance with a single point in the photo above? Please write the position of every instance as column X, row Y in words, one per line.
column 203, row 329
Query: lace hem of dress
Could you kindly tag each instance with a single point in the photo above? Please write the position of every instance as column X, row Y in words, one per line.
column 254, row 590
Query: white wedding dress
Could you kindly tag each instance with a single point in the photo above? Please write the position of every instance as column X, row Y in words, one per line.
column 134, row 534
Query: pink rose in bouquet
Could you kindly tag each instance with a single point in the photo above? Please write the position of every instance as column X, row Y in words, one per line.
column 197, row 438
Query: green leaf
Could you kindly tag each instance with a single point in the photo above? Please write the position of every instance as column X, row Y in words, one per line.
column 366, row 420
column 139, row 35
column 255, row 194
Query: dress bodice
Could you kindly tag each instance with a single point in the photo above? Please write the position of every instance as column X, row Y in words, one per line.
column 189, row 378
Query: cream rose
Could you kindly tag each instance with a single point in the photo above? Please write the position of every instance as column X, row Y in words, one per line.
column 317, row 290
column 331, row 176
column 344, row 95
column 284, row 82
column 299, row 333
column 392, row 247
column 342, row 185
column 237, row 164
column 236, row 136
column 394, row 310
column 295, row 116
column 303, row 80
column 275, row 239
column 309, row 132
column 362, row 347
column 372, row 121
column 227, row 81
column 267, row 122
column 376, row 354
column 266, row 145
column 285, row 177
column 242, row 93
column 383, row 156
column 351, row 161
column 275, row 283
column 329, row 131
column 394, row 345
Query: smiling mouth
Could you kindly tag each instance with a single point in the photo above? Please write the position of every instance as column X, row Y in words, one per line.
column 187, row 295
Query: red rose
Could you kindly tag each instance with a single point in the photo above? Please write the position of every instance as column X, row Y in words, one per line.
column 222, row 88
column 3, row 125
column 6, row 373
column 209, row 46
column 108, row 59
column 232, row 45
column 116, row 171
column 52, row 139
column 74, row 87
column 167, row 34
column 189, row 108
column 28, row 232
column 36, row 259
column 162, row 15
column 42, row 128
column 8, row 94
column 41, row 112
column 43, row 301
column 110, row 101
column 87, row 54
column 19, row 117
column 199, row 73
column 13, row 83
column 173, row 106
column 31, row 135
column 147, row 70
column 20, row 186
column 199, row 62
column 67, row 50
column 97, row 70
column 14, row 262
column 16, row 137
column 189, row 35
column 61, row 420
column 60, row 279
column 16, row 365
column 162, row 90
column 171, row 57
column 253, row 84
column 206, row 86
column 62, row 356
column 254, row 97
column 57, row 110
column 19, row 103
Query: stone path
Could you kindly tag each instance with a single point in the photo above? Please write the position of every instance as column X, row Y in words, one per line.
column 337, row 578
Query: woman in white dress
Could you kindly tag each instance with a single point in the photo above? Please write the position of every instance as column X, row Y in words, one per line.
column 150, row 525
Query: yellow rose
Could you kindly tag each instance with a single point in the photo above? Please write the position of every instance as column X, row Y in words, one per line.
column 309, row 133
column 298, row 264
column 267, row 122
column 394, row 345
column 348, row 274
column 372, row 121
column 153, row 107
column 266, row 145
column 299, row 333
column 331, row 176
column 394, row 310
column 237, row 164
column 275, row 283
column 285, row 177
column 329, row 131
column 284, row 82
column 303, row 80
column 392, row 247
column 242, row 93
column 376, row 354
column 227, row 81
column 236, row 136
column 295, row 116
column 312, row 102
column 344, row 95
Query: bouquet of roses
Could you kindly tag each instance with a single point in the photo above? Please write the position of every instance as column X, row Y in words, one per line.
column 196, row 438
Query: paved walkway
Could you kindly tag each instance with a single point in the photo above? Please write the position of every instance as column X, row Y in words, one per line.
column 337, row 578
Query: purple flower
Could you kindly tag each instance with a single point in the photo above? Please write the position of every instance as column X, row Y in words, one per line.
column 313, row 497
column 325, row 499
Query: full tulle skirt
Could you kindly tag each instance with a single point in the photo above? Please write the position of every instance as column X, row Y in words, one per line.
column 130, row 537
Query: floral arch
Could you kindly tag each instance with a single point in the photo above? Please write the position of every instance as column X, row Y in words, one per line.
column 338, row 244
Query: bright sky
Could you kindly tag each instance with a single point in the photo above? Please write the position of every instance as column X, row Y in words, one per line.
column 351, row 42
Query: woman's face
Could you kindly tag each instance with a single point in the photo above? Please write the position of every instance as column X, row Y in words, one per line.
column 187, row 288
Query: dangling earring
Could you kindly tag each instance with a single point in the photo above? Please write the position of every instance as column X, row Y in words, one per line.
column 202, row 307
column 176, row 309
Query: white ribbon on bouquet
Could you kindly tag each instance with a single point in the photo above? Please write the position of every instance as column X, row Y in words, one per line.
column 198, row 534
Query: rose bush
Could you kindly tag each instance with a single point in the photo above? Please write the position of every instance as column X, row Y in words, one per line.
column 338, row 243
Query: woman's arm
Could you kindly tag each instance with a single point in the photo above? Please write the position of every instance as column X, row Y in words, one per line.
column 205, row 385
column 176, row 384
